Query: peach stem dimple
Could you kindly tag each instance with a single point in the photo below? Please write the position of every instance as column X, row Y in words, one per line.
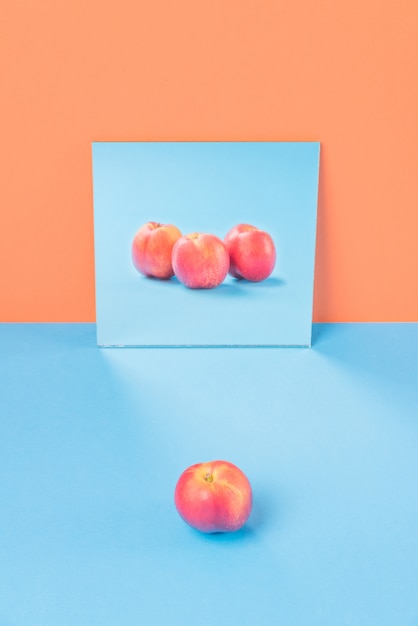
column 208, row 477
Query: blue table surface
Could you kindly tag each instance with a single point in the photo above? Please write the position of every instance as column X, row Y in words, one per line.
column 93, row 441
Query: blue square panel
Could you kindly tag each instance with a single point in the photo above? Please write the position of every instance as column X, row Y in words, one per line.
column 205, row 187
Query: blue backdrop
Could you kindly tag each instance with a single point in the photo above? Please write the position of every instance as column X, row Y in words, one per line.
column 206, row 187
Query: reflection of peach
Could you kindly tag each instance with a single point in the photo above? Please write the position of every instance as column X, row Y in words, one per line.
column 251, row 251
column 200, row 261
column 214, row 497
column 151, row 249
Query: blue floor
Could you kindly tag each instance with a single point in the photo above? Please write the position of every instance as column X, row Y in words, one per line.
column 92, row 442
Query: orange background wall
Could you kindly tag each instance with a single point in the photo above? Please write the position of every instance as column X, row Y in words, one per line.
column 341, row 72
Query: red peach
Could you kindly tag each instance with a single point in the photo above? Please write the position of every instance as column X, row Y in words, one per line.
column 214, row 497
column 200, row 261
column 151, row 249
column 252, row 252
